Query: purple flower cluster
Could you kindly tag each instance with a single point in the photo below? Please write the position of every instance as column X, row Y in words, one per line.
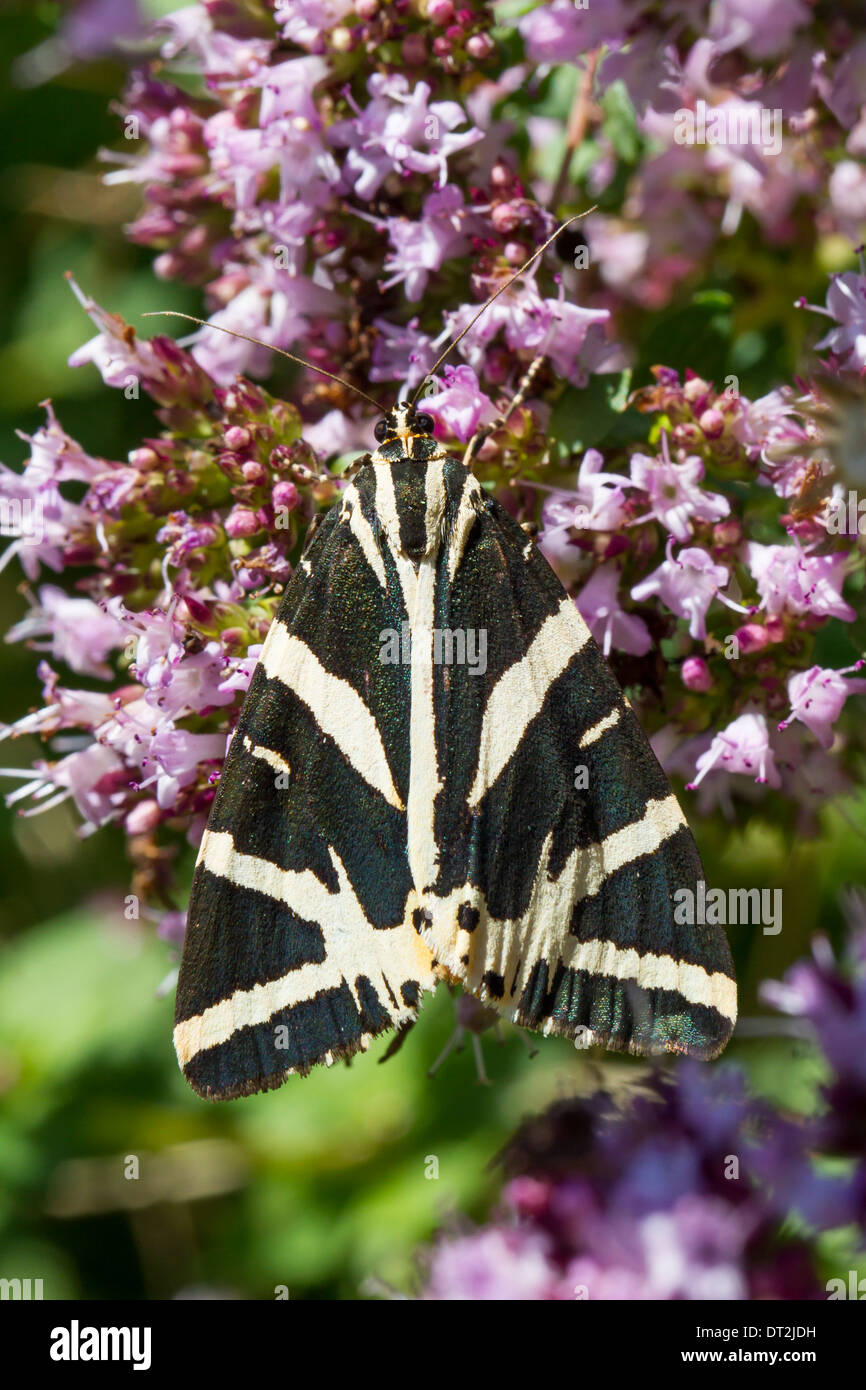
column 739, row 615
column 691, row 1188
column 741, row 104
column 177, row 557
column 351, row 181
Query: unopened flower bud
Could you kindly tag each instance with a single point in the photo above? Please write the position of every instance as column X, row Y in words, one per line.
column 143, row 459
column 752, row 637
column 505, row 217
column 341, row 39
column 696, row 674
column 712, row 422
column 236, row 437
column 144, row 817
column 686, row 435
column 241, row 522
column 285, row 494
column 194, row 241
column 480, row 46
column 695, row 387
column 497, row 365
column 168, row 266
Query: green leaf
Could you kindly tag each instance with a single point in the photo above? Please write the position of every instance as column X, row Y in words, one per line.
column 619, row 123
column 697, row 336
column 585, row 417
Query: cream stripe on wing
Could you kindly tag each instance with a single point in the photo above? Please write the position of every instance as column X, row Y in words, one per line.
column 513, row 947
column 353, row 947
column 336, row 706
column 363, row 533
column 693, row 982
column 519, row 693
column 467, row 511
column 386, row 502
column 386, row 506
column 589, row 865
column 424, row 782
column 267, row 755
column 594, row 734
column 434, row 492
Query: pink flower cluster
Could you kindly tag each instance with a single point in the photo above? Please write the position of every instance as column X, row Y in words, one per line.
column 740, row 615
column 176, row 558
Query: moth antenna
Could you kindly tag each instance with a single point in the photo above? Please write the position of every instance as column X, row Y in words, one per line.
column 502, row 288
column 176, row 314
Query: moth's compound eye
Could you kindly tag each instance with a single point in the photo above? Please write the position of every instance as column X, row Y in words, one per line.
column 425, row 424
column 381, row 430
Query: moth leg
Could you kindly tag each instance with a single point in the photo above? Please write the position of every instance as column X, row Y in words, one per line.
column 527, row 1041
column 473, row 1018
column 516, row 401
column 454, row 1044
column 483, row 1078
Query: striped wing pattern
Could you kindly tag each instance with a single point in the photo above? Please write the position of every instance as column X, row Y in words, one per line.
column 555, row 901
column 379, row 827
column 298, row 950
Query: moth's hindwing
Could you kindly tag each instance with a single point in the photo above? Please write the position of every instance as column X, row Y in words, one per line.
column 558, row 843
column 298, row 946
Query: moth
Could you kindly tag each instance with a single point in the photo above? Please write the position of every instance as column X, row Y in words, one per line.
column 382, row 825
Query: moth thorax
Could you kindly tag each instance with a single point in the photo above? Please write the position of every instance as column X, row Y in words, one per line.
column 415, row 525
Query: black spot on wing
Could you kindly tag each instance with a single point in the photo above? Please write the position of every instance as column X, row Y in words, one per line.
column 467, row 917
column 493, row 983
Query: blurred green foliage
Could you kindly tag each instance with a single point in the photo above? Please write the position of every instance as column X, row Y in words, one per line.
column 329, row 1182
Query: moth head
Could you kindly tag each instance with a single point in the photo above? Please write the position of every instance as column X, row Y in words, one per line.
column 403, row 419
